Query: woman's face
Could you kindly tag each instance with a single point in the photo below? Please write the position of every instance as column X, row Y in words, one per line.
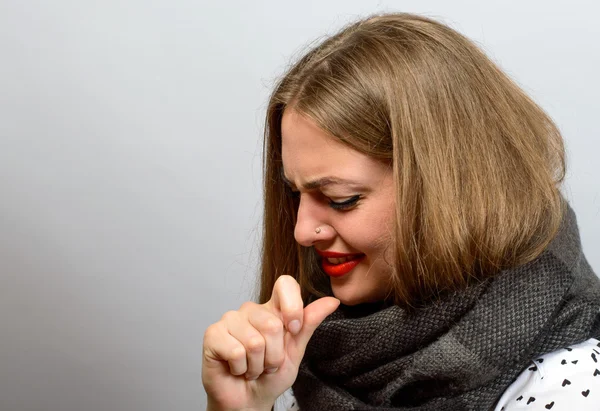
column 349, row 198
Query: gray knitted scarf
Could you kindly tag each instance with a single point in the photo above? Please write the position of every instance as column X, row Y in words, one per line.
column 459, row 353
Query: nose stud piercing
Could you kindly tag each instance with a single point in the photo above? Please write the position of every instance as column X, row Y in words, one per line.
column 318, row 230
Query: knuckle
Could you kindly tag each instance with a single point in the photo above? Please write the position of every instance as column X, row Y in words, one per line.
column 274, row 362
column 248, row 305
column 274, row 358
column 238, row 353
column 272, row 326
column 211, row 332
column 207, row 352
column 255, row 344
column 229, row 316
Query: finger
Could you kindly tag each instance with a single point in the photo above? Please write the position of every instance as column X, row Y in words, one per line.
column 252, row 340
column 271, row 328
column 314, row 314
column 220, row 346
column 286, row 301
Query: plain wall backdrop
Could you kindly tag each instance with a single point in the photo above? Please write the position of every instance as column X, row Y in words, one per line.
column 130, row 172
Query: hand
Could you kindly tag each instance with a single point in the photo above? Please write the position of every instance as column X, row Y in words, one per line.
column 251, row 356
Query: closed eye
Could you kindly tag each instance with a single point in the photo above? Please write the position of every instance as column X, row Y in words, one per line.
column 344, row 205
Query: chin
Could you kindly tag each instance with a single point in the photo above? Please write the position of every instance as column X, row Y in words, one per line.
column 349, row 302
column 348, row 297
column 357, row 288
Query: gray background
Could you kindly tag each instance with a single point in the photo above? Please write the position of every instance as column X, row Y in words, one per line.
column 130, row 160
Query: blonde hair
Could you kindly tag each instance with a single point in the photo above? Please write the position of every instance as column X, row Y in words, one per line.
column 476, row 163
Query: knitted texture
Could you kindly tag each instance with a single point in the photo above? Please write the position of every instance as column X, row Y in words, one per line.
column 459, row 353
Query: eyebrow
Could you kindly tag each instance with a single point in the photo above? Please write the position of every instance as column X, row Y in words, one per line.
column 320, row 182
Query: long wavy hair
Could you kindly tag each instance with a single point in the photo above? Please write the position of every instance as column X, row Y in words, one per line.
column 477, row 164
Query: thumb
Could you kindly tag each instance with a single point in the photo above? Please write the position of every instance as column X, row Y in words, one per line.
column 314, row 314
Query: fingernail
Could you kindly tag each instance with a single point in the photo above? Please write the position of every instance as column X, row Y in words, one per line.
column 271, row 370
column 294, row 326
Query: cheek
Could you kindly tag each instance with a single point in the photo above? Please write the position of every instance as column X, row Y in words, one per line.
column 370, row 228
column 371, row 235
column 378, row 222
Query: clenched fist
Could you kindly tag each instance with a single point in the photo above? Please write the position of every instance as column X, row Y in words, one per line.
column 251, row 356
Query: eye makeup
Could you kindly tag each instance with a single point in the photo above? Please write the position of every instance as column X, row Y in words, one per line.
column 344, row 205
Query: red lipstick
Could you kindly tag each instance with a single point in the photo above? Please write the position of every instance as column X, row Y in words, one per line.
column 338, row 270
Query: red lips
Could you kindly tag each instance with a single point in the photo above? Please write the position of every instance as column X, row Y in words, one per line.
column 338, row 270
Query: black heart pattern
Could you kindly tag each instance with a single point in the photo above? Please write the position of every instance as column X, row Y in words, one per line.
column 534, row 368
column 531, row 399
column 549, row 406
column 596, row 372
column 569, row 349
column 520, row 398
column 575, row 362
column 563, row 362
column 540, row 360
column 594, row 357
column 566, row 382
column 585, row 393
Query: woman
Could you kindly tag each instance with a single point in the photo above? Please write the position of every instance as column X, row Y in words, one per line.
column 412, row 198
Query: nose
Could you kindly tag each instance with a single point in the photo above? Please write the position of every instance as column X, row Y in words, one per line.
column 312, row 215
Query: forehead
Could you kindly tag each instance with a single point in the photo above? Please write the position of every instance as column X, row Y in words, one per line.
column 309, row 153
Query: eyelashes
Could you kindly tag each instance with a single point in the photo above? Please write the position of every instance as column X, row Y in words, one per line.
column 344, row 205
column 336, row 205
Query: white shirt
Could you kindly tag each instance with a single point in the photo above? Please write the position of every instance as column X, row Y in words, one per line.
column 563, row 380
